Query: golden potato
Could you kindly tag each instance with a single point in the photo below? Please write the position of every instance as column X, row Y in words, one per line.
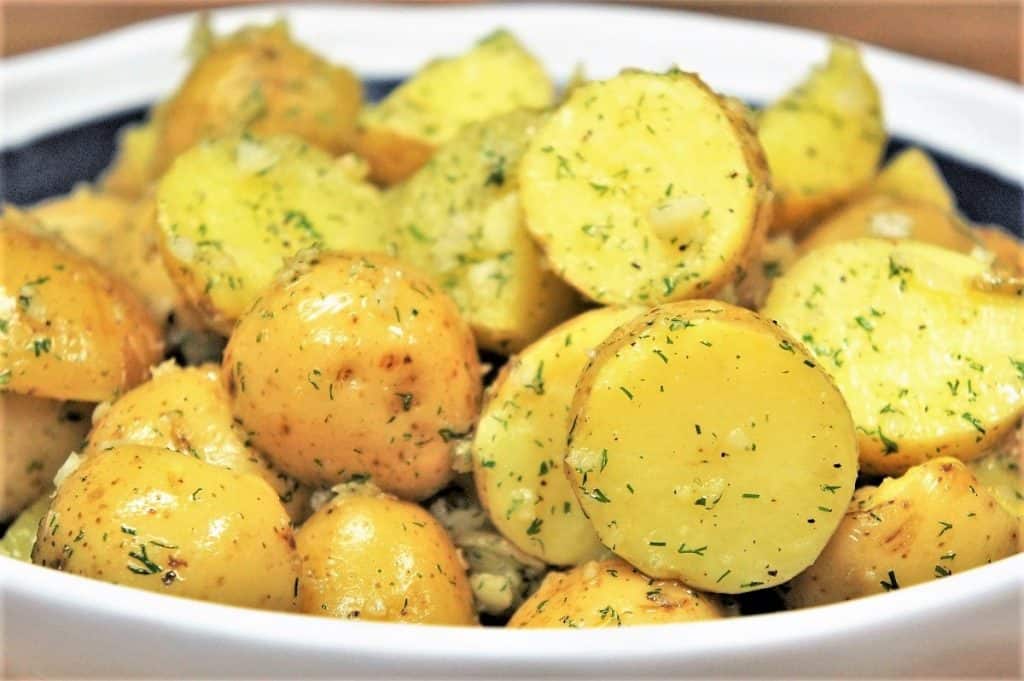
column 156, row 520
column 612, row 593
column 260, row 80
column 378, row 558
column 21, row 534
column 520, row 442
column 496, row 76
column 37, row 436
column 933, row 521
column 68, row 331
column 1007, row 249
column 188, row 411
column 373, row 372
column 930, row 363
column 91, row 222
column 132, row 170
column 913, row 175
column 231, row 211
column 999, row 472
column 751, row 290
column 707, row 447
column 823, row 139
column 630, row 204
column 459, row 219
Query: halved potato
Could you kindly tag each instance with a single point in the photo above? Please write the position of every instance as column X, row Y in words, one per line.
column 519, row 442
column 232, row 210
column 912, row 174
column 496, row 76
column 707, row 447
column 823, row 139
column 459, row 219
column 929, row 357
column 644, row 188
column 933, row 521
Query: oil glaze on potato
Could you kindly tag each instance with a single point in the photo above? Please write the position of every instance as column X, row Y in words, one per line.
column 612, row 593
column 69, row 331
column 160, row 521
column 933, row 521
column 353, row 365
column 378, row 558
column 644, row 188
column 188, row 411
column 519, row 443
column 929, row 362
column 707, row 447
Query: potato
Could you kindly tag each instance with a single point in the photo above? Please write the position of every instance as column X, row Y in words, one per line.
column 933, row 521
column 913, row 175
column 68, row 331
column 260, row 80
column 373, row 373
column 930, row 363
column 156, row 520
column 496, row 76
column 38, row 434
column 519, row 442
column 612, row 593
column 230, row 211
column 1007, row 249
column 750, row 291
column 459, row 219
column 645, row 188
column 999, row 472
column 188, row 411
column 378, row 558
column 91, row 222
column 707, row 447
column 21, row 534
column 132, row 170
column 823, row 139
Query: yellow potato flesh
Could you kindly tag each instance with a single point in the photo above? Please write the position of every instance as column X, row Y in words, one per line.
column 913, row 175
column 999, row 471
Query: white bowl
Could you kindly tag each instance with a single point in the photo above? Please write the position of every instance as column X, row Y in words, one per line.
column 60, row 625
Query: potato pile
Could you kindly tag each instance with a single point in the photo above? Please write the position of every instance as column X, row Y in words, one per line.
column 248, row 364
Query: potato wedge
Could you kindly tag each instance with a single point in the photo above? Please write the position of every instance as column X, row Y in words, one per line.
column 930, row 363
column 612, row 593
column 644, row 188
column 519, row 442
column 707, row 447
column 496, row 76
column 459, row 220
column 999, row 471
column 232, row 210
column 912, row 174
column 823, row 139
column 933, row 521
column 69, row 331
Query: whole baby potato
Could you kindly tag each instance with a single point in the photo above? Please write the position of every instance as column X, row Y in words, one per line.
column 160, row 521
column 373, row 372
column 378, row 558
column 612, row 593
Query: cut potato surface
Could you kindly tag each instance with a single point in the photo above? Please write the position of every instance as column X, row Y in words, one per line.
column 496, row 76
column 459, row 219
column 231, row 211
column 520, row 441
column 929, row 361
column 934, row 521
column 823, row 139
column 708, row 447
column 645, row 188
column 612, row 593
column 912, row 174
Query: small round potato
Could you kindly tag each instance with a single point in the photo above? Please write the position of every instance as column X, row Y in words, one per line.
column 160, row 521
column 371, row 372
column 36, row 435
column 932, row 521
column 612, row 593
column 69, row 331
column 188, row 411
column 378, row 558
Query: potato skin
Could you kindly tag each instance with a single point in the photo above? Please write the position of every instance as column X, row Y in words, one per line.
column 379, row 558
column 37, row 436
column 166, row 522
column 999, row 471
column 373, row 373
column 933, row 521
column 260, row 80
column 612, row 593
column 187, row 410
column 70, row 331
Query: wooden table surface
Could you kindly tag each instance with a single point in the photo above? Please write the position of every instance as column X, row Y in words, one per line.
column 984, row 35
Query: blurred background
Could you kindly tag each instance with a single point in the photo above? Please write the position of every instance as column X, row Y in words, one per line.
column 984, row 35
